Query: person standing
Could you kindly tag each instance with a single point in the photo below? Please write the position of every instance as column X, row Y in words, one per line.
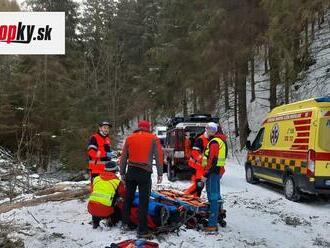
column 195, row 160
column 214, row 161
column 139, row 150
column 99, row 150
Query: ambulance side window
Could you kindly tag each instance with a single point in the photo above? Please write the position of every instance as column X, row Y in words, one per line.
column 257, row 143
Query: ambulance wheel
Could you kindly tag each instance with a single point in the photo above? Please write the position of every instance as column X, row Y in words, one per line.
column 249, row 175
column 291, row 192
column 171, row 175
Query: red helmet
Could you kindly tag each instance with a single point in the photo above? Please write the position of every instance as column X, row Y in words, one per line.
column 143, row 124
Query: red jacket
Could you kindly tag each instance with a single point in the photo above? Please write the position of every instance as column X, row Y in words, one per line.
column 98, row 209
column 197, row 155
column 101, row 144
column 139, row 150
column 213, row 156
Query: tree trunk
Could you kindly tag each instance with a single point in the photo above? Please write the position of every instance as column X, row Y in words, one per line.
column 266, row 58
column 287, row 85
column 306, row 39
column 184, row 103
column 235, row 104
column 320, row 19
column 253, row 92
column 219, row 91
column 313, row 28
column 242, row 111
column 62, row 195
column 194, row 99
column 226, row 93
column 114, row 95
column 296, row 47
column 274, row 77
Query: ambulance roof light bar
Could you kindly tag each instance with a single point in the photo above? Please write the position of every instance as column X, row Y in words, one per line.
column 323, row 99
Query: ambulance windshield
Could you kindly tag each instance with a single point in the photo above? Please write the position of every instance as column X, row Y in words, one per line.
column 324, row 132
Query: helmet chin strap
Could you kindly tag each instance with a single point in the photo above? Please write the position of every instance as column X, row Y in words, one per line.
column 102, row 133
column 206, row 134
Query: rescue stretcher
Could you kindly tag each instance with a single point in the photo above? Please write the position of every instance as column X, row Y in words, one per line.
column 171, row 209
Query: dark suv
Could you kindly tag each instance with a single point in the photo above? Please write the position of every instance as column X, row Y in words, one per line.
column 181, row 135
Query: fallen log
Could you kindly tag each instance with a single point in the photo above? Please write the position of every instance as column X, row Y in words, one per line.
column 52, row 190
column 60, row 195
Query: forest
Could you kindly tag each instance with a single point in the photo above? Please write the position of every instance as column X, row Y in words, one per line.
column 151, row 59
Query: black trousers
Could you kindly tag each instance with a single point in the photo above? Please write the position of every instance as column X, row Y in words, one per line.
column 136, row 177
column 114, row 218
column 96, row 219
column 199, row 187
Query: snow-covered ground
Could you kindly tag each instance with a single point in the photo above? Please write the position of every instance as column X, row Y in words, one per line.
column 257, row 215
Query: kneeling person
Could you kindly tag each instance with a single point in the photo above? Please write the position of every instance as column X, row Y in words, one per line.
column 106, row 188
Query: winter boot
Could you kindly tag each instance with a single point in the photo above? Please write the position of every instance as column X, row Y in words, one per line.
column 127, row 227
column 96, row 224
column 211, row 230
column 144, row 235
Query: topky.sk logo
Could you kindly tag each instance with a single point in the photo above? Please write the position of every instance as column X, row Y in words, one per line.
column 32, row 33
column 21, row 33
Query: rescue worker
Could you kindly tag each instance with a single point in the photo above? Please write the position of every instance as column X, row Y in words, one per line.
column 187, row 146
column 99, row 149
column 214, row 161
column 138, row 152
column 195, row 160
column 106, row 189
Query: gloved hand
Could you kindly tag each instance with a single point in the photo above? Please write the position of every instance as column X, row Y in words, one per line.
column 222, row 171
column 159, row 179
column 200, row 184
column 109, row 154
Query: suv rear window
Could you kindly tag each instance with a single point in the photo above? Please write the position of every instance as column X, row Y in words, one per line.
column 194, row 131
column 324, row 131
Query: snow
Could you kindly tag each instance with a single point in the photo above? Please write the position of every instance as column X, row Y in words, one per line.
column 257, row 215
column 316, row 80
column 21, row 186
column 313, row 83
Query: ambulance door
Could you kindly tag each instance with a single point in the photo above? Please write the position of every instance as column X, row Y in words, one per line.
column 256, row 151
column 321, row 156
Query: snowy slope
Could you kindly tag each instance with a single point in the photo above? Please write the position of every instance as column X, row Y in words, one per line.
column 316, row 80
column 313, row 83
column 258, row 215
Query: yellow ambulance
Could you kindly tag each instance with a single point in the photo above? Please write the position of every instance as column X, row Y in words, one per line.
column 292, row 149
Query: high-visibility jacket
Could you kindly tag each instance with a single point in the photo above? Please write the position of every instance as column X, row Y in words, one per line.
column 101, row 201
column 101, row 144
column 104, row 190
column 221, row 153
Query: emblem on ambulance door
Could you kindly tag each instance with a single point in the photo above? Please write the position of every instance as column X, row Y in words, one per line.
column 274, row 133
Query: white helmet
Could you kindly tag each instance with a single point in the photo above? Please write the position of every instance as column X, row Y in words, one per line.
column 211, row 127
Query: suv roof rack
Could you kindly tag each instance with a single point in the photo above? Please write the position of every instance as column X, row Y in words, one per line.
column 192, row 118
